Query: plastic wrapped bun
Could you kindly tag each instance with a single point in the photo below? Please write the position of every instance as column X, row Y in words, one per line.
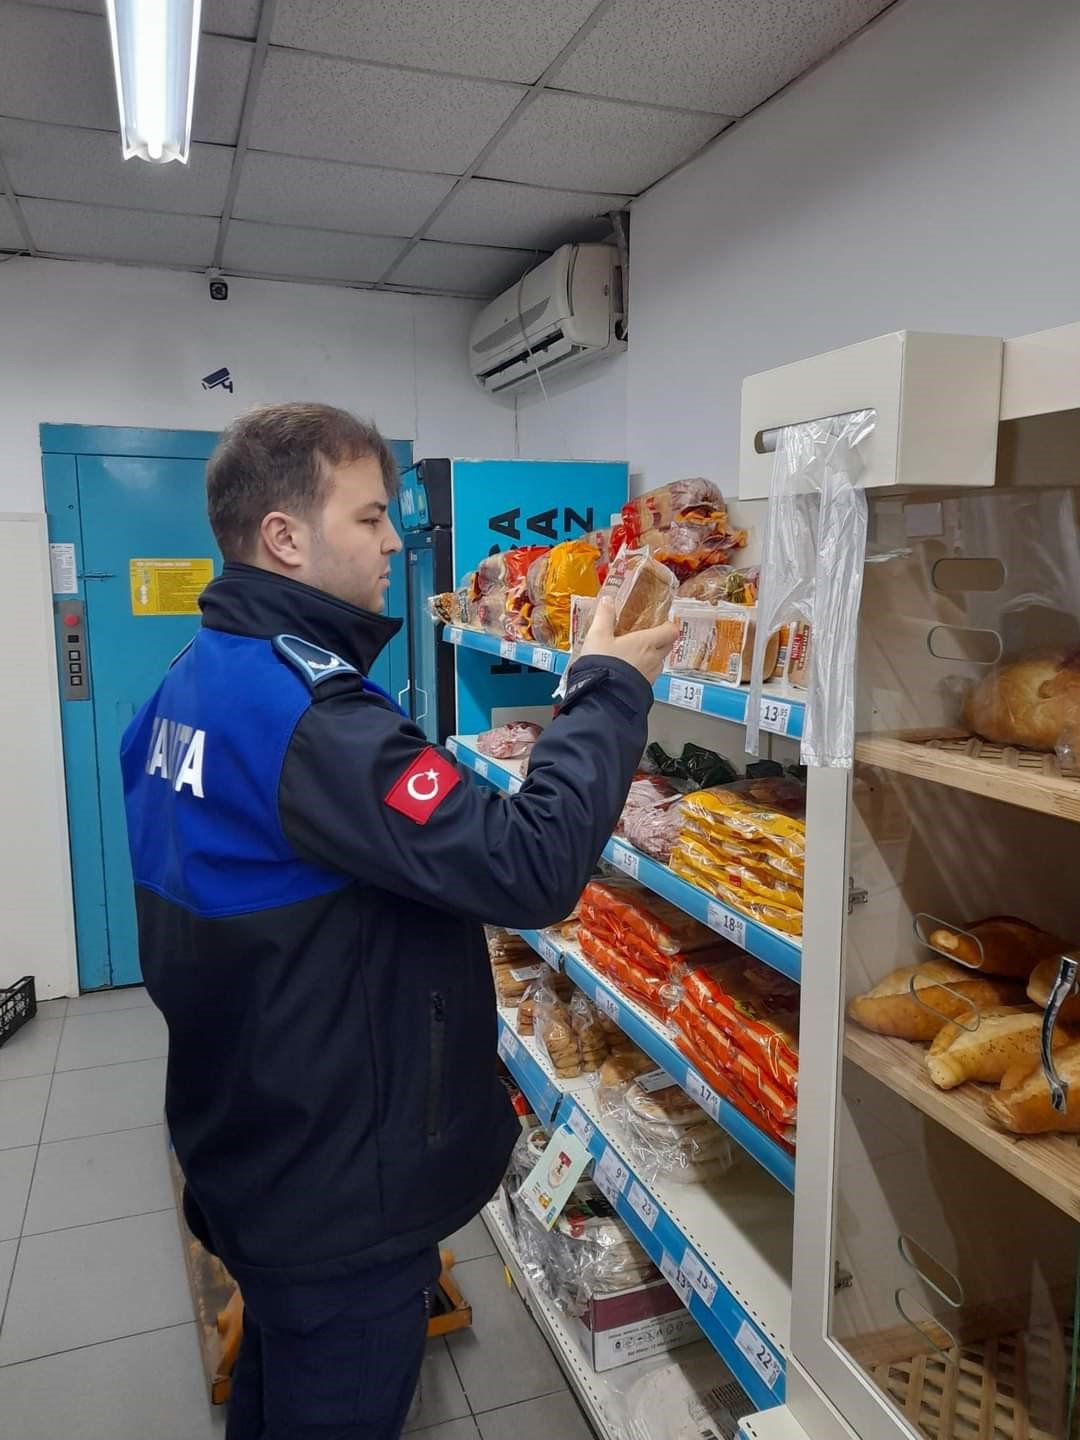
column 1033, row 703
column 554, row 1029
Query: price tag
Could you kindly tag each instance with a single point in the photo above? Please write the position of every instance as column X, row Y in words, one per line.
column 581, row 1126
column 774, row 715
column 452, row 745
column 527, row 973
column 543, row 659
column 514, row 783
column 611, row 1174
column 550, row 953
column 699, row 1275
column 608, row 1004
column 481, row 767
column 675, row 1278
column 644, row 1204
column 731, row 926
column 509, row 1047
column 508, row 650
column 454, row 635
column 759, row 1354
column 704, row 1094
column 627, row 861
column 654, row 1080
column 687, row 693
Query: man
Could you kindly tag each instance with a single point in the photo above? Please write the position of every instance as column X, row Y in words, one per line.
column 311, row 880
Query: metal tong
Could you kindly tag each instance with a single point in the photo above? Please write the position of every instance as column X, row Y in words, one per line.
column 1064, row 985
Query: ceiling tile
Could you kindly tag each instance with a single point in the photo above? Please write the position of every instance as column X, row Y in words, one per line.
column 97, row 233
column 307, row 254
column 720, row 55
column 584, row 144
column 231, row 17
column 499, row 39
column 341, row 110
column 220, row 83
column 472, row 269
column 333, row 196
column 497, row 213
column 57, row 163
column 10, row 239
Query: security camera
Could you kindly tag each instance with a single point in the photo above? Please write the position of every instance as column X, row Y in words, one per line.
column 219, row 290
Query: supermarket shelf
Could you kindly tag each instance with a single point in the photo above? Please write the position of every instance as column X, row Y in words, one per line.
column 650, row 1035
column 540, row 1085
column 963, row 762
column 1047, row 1164
column 769, row 946
column 776, row 1424
column 782, row 708
column 741, row 1293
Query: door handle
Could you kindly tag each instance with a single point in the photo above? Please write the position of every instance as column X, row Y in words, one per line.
column 97, row 575
column 403, row 692
column 423, row 713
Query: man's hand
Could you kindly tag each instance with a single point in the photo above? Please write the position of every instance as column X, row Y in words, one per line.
column 645, row 650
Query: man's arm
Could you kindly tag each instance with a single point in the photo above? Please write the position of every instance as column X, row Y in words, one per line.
column 355, row 796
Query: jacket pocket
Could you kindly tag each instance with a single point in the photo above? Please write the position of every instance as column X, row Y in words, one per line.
column 436, row 1058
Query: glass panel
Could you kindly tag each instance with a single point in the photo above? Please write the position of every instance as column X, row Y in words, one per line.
column 424, row 695
column 956, row 1237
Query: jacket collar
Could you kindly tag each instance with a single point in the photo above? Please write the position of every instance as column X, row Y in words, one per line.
column 245, row 600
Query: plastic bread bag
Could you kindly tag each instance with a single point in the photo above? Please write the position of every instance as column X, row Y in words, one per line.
column 722, row 584
column 554, row 1031
column 658, row 509
column 512, row 982
column 591, row 1036
column 723, row 1053
column 667, row 1134
column 641, row 590
column 757, row 1008
column 491, row 612
column 507, row 948
column 567, row 570
column 695, row 864
column 646, row 920
column 512, row 741
column 590, row 1252
column 542, row 627
column 718, row 640
column 633, row 979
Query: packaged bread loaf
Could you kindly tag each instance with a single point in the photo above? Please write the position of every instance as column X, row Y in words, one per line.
column 554, row 1030
column 1032, row 703
column 1004, row 1036
column 591, row 1036
column 718, row 640
column 641, row 590
column 1001, row 945
column 946, row 992
column 1022, row 1104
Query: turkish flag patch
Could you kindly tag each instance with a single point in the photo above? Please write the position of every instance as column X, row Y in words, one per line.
column 424, row 786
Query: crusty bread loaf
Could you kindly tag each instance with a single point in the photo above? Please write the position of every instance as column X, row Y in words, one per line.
column 1022, row 1105
column 1004, row 1036
column 1041, row 982
column 621, row 1069
column 1033, row 703
column 1001, row 945
column 891, row 1009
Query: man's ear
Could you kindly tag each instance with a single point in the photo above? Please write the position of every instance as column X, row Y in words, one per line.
column 284, row 539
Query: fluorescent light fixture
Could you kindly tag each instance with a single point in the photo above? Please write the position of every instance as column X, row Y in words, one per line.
column 155, row 45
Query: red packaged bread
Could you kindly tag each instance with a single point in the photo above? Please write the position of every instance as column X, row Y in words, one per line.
column 753, row 1005
column 725, row 1085
column 648, row 989
column 641, row 917
column 720, row 1050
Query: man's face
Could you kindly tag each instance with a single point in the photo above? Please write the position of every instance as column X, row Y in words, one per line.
column 349, row 545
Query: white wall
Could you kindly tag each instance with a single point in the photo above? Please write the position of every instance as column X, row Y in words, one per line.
column 101, row 345
column 582, row 418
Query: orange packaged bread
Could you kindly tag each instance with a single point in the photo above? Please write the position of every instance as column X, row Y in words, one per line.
column 725, row 1054
column 650, row 990
column 566, row 570
column 755, row 1007
column 650, row 919
column 726, row 1085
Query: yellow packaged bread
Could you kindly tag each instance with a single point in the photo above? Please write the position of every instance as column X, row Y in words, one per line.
column 768, row 864
column 723, row 871
column 780, row 917
column 744, row 817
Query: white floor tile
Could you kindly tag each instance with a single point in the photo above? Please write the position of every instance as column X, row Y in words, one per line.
column 113, row 1097
column 7, row 1264
column 503, row 1358
column 99, row 1177
column 22, row 1109
column 16, row 1168
column 95, row 1001
column 31, row 1050
column 112, row 1038
column 540, row 1419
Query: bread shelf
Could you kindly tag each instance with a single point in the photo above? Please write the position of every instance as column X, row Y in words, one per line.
column 782, row 707
column 1000, row 772
column 1047, row 1164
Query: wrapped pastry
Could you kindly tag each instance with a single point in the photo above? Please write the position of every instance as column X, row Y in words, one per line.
column 567, row 570
column 1005, row 1036
column 946, row 992
column 1033, row 703
column 554, row 1030
column 1023, row 1106
column 1001, row 945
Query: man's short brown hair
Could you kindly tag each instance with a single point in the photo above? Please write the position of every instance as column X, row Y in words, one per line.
column 277, row 457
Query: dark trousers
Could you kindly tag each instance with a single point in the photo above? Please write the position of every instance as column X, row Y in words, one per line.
column 332, row 1360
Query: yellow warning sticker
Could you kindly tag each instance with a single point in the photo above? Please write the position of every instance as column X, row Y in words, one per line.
column 168, row 587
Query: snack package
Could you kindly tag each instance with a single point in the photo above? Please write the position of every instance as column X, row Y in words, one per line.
column 591, row 1036
column 651, row 990
column 743, row 811
column 696, row 865
column 512, row 741
column 727, row 1056
column 752, row 1005
column 666, row 1133
column 718, row 640
column 659, row 508
column 642, row 921
column 512, row 982
column 568, row 569
column 555, row 1032
column 724, row 1084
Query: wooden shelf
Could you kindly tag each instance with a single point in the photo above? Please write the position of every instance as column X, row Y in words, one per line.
column 1000, row 772
column 1047, row 1164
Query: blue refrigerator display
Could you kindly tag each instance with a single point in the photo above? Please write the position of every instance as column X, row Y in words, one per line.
column 456, row 512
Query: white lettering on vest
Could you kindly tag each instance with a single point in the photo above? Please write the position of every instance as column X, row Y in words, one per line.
column 176, row 755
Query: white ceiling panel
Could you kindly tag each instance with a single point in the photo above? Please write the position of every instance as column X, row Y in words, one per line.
column 307, row 254
column 499, row 39
column 472, row 269
column 100, row 234
column 231, row 17
column 220, row 83
column 720, row 55
column 54, row 162
column 56, row 66
column 494, row 212
column 332, row 196
column 341, row 110
column 10, row 239
column 582, row 144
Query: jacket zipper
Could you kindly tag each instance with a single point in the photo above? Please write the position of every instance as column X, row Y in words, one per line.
column 436, row 1048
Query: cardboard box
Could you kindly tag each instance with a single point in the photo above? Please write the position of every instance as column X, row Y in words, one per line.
column 634, row 1324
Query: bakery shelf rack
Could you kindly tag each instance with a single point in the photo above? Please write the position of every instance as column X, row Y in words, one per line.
column 782, row 707
column 769, row 946
column 650, row 1035
column 725, row 1245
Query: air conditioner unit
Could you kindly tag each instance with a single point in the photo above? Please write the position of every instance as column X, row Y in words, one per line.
column 568, row 310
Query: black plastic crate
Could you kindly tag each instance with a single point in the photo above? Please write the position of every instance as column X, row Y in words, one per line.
column 17, row 1005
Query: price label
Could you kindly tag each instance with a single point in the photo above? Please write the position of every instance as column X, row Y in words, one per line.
column 550, row 953
column 774, row 715
column 581, row 1126
column 644, row 1204
column 454, row 635
column 543, row 659
column 452, row 745
column 675, row 1278
column 759, row 1354
column 509, row 1047
column 687, row 693
column 699, row 1275
column 514, row 783
column 611, row 1174
column 732, row 927
column 508, row 650
column 654, row 1080
column 626, row 861
column 608, row 1004
column 705, row 1096
column 527, row 973
column 481, row 767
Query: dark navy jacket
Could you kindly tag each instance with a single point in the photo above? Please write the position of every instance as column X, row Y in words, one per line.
column 318, row 954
